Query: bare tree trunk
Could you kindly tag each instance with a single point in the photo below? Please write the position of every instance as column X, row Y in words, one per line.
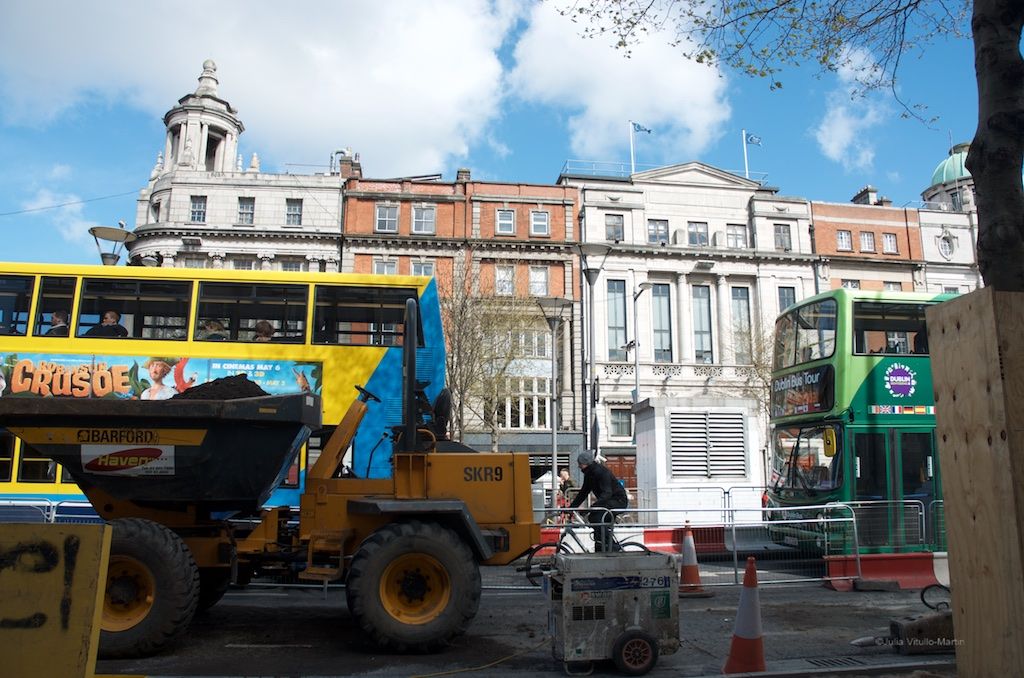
column 997, row 151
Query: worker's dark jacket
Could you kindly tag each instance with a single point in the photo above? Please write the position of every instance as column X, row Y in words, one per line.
column 608, row 491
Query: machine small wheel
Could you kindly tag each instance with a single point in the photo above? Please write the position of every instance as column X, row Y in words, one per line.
column 635, row 653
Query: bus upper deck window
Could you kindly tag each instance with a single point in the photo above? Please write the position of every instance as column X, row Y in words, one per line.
column 15, row 299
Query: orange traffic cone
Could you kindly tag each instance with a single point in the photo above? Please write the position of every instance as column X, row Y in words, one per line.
column 689, row 573
column 746, row 654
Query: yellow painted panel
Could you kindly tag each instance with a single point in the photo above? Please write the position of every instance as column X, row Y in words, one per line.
column 41, row 435
column 50, row 603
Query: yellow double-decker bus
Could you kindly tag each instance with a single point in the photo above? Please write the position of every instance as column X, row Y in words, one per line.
column 151, row 333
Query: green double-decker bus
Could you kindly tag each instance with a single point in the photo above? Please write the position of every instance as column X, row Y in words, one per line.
column 853, row 424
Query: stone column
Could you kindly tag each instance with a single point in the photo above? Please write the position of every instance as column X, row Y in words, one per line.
column 204, row 137
column 266, row 260
column 218, row 259
column 724, row 325
column 331, row 265
column 684, row 320
column 167, row 258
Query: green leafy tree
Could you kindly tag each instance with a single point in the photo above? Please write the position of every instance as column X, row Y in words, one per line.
column 760, row 38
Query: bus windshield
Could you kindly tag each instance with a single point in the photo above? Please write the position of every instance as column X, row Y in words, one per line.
column 799, row 462
column 805, row 334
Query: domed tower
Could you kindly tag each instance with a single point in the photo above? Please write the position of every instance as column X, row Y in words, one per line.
column 952, row 186
column 203, row 129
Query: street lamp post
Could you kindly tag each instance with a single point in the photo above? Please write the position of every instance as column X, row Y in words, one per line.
column 588, row 253
column 641, row 288
column 553, row 308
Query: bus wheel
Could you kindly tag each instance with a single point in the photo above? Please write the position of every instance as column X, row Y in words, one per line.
column 213, row 584
column 152, row 589
column 413, row 586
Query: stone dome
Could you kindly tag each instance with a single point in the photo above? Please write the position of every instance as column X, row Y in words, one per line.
column 952, row 168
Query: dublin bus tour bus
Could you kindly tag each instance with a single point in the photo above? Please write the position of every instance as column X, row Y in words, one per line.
column 853, row 424
column 149, row 333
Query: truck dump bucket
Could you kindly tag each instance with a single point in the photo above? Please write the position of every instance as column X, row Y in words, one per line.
column 215, row 454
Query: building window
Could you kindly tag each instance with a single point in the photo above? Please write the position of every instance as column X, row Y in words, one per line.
column 539, row 281
column 851, row 284
column 844, row 241
column 293, row 212
column 291, row 265
column 423, row 268
column 616, row 320
column 620, row 422
column 504, row 281
column 423, row 220
column 951, row 290
column 385, row 266
column 697, row 234
column 741, row 325
column 195, row 262
column 661, row 322
column 783, row 241
column 505, row 223
column 246, row 211
column 787, row 297
column 889, row 244
column 707, row 445
column 197, row 209
column 867, row 241
column 657, row 231
column 957, row 202
column 946, row 246
column 736, row 236
column 241, row 264
column 540, row 223
column 387, row 219
column 523, row 403
column 614, row 227
column 891, row 286
column 702, row 324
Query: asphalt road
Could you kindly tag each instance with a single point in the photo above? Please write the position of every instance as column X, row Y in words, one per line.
column 302, row 632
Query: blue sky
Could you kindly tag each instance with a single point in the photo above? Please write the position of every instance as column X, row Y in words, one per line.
column 507, row 89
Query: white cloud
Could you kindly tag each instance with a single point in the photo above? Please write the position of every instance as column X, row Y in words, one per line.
column 60, row 171
column 409, row 85
column 683, row 102
column 67, row 219
column 844, row 133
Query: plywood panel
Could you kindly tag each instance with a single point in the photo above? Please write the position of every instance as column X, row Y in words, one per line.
column 50, row 598
column 977, row 348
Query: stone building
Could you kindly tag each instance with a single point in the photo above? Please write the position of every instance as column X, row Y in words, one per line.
column 687, row 267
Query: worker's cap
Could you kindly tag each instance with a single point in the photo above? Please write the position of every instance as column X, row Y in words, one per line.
column 585, row 458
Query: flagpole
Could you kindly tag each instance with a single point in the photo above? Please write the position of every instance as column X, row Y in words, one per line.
column 746, row 169
column 632, row 157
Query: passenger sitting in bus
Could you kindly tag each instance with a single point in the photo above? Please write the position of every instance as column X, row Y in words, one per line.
column 264, row 331
column 110, row 326
column 58, row 324
column 213, row 330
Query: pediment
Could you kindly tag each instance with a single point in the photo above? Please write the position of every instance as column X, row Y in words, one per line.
column 694, row 174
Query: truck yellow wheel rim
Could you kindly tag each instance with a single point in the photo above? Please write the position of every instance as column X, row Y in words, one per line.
column 129, row 595
column 415, row 588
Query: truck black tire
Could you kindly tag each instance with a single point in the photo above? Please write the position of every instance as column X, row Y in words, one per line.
column 213, row 584
column 413, row 586
column 152, row 589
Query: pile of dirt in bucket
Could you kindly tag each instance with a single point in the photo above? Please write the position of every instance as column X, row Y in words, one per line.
column 225, row 388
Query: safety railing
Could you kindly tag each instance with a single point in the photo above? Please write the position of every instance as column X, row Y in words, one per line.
column 890, row 524
column 26, row 511
column 788, row 550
